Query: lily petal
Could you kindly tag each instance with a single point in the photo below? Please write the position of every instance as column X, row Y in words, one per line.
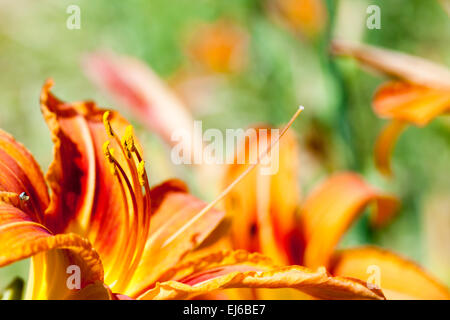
column 411, row 103
column 406, row 67
column 399, row 277
column 385, row 144
column 330, row 209
column 95, row 291
column 176, row 210
column 405, row 103
column 237, row 269
column 19, row 173
column 20, row 238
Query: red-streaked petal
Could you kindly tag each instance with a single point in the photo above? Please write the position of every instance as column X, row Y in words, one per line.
column 411, row 103
column 21, row 238
column 239, row 269
column 19, row 172
column 331, row 208
column 162, row 250
column 399, row 278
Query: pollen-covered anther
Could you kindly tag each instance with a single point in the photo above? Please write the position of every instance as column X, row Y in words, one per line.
column 107, row 123
column 128, row 141
column 109, row 154
column 142, row 173
column 107, row 151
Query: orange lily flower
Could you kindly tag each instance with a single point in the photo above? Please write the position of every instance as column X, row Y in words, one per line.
column 421, row 94
column 98, row 214
column 267, row 218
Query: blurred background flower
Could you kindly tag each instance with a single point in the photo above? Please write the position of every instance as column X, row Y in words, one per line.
column 232, row 64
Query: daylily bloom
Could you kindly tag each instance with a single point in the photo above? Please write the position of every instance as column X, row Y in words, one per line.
column 421, row 93
column 97, row 218
column 268, row 218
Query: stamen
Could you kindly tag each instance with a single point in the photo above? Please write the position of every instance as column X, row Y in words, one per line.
column 106, row 151
column 107, row 124
column 141, row 173
column 116, row 164
column 235, row 182
column 127, row 248
column 139, row 213
column 128, row 141
column 109, row 154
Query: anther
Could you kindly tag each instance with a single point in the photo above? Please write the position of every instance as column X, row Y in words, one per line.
column 106, row 151
column 128, row 140
column 109, row 155
column 107, row 124
column 141, row 173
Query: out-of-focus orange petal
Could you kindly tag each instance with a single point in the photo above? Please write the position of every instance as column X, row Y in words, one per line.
column 135, row 86
column 87, row 198
column 165, row 246
column 411, row 103
column 21, row 237
column 399, row 277
column 238, row 269
column 20, row 173
column 331, row 208
column 219, row 47
column 307, row 17
column 406, row 67
column 385, row 144
column 263, row 207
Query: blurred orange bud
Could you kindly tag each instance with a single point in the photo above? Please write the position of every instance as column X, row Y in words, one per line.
column 219, row 47
column 307, row 17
